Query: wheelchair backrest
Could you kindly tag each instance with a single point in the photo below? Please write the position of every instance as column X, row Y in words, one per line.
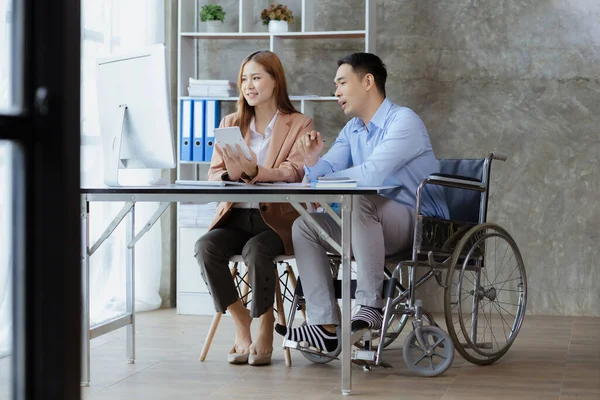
column 465, row 205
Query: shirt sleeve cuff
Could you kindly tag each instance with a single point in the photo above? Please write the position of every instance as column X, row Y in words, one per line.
column 319, row 169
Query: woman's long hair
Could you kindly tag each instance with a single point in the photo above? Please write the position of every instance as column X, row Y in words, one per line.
column 273, row 67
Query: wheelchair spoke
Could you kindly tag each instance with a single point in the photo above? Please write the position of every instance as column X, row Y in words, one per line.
column 508, row 312
column 415, row 347
column 470, row 281
column 496, row 253
column 505, row 281
column 504, row 256
column 436, row 344
column 504, row 284
column 503, row 320
column 494, row 305
column 503, row 265
column 418, row 360
column 510, row 304
column 490, row 325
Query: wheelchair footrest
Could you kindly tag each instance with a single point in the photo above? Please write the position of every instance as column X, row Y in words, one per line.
column 305, row 347
column 364, row 355
column 370, row 363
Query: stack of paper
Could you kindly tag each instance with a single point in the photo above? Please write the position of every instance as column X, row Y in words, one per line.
column 342, row 182
column 212, row 88
column 198, row 215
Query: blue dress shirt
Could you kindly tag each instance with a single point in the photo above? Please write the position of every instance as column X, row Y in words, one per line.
column 395, row 150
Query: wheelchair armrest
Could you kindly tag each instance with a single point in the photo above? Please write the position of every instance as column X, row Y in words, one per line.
column 499, row 156
column 456, row 181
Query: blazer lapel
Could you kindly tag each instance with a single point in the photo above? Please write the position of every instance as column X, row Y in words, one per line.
column 278, row 136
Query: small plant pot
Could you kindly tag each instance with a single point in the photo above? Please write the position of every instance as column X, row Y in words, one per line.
column 214, row 26
column 278, row 26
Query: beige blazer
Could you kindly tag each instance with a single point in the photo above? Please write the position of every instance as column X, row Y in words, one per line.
column 284, row 164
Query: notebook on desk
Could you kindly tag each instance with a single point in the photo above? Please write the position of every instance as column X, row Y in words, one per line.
column 332, row 183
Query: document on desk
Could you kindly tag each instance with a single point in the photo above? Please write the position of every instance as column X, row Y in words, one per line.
column 192, row 182
column 283, row 184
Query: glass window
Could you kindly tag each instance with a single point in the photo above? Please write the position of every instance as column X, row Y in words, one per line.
column 6, row 283
column 10, row 66
column 110, row 26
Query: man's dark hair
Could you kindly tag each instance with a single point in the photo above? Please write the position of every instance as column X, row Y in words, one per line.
column 367, row 63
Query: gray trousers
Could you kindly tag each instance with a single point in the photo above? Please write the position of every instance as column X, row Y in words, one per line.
column 246, row 233
column 380, row 227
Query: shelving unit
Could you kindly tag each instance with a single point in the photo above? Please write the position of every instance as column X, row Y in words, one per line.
column 188, row 65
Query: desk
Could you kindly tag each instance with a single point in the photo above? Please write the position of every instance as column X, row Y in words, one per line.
column 295, row 195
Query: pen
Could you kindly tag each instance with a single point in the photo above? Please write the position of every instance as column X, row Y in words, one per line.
column 323, row 140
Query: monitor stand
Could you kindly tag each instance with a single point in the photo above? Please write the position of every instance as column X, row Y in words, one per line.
column 112, row 160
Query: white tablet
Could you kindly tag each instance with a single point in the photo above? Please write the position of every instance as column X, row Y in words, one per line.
column 232, row 136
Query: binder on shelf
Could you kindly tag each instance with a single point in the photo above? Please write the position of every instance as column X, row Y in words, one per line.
column 212, row 116
column 198, row 131
column 185, row 136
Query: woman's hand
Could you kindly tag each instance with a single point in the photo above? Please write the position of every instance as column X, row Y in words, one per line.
column 310, row 146
column 250, row 167
column 233, row 169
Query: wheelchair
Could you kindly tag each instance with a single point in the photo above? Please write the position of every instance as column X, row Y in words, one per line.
column 478, row 265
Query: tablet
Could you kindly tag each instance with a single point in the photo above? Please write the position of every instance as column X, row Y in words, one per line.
column 232, row 136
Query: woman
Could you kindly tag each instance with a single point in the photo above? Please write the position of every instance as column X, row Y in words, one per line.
column 258, row 231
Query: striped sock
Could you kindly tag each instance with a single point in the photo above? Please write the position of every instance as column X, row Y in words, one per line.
column 314, row 335
column 367, row 318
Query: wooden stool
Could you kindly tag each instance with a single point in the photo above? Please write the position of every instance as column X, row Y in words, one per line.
column 244, row 291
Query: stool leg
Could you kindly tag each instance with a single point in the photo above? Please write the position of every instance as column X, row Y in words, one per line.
column 209, row 336
column 281, row 314
column 214, row 324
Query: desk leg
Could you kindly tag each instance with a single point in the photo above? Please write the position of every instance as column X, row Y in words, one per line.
column 346, row 208
column 85, row 292
column 130, row 282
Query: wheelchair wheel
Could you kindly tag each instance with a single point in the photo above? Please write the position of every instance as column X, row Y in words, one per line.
column 433, row 355
column 485, row 294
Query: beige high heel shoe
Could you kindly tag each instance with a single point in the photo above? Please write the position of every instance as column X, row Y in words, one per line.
column 237, row 358
column 260, row 359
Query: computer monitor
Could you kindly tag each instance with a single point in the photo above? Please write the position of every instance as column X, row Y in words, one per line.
column 134, row 108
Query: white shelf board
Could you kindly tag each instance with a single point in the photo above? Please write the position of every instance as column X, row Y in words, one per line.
column 293, row 98
column 194, row 162
column 284, row 35
column 208, row 98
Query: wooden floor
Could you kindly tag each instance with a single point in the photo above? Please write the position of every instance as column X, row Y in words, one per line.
column 553, row 358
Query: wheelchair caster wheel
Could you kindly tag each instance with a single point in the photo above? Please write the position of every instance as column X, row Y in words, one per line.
column 431, row 357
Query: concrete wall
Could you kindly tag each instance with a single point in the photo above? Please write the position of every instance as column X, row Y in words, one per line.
column 521, row 77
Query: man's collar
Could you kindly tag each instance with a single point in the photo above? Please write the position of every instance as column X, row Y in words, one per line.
column 378, row 119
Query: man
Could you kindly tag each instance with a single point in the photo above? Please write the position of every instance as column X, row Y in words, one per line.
column 382, row 145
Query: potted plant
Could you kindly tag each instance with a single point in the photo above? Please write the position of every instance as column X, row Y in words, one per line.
column 277, row 17
column 213, row 15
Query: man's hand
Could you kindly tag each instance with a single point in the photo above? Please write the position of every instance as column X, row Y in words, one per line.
column 242, row 164
column 310, row 146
